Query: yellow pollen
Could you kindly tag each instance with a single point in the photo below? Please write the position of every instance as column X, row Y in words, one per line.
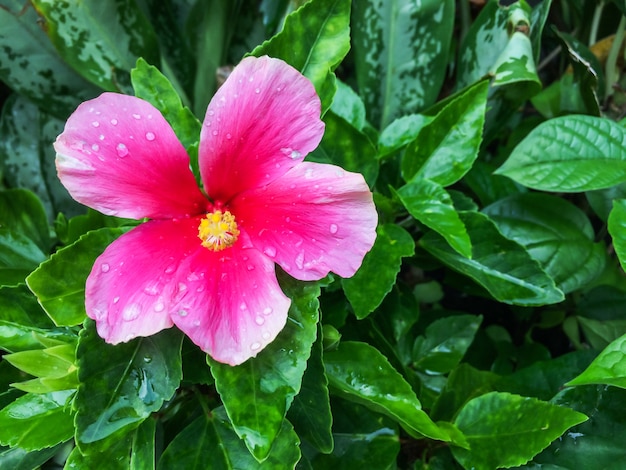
column 218, row 230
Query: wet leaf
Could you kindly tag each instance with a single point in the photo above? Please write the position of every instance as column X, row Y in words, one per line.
column 377, row 275
column 608, row 368
column 258, row 393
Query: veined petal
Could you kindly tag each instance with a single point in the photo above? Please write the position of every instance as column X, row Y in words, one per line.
column 264, row 120
column 118, row 155
column 314, row 219
column 232, row 306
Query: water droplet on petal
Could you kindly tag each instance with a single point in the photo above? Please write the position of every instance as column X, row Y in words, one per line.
column 114, row 122
column 229, row 136
column 152, row 290
column 170, row 269
column 101, row 137
column 214, row 132
column 267, row 310
column 242, row 306
column 150, row 136
column 122, row 150
column 131, row 312
column 196, row 323
column 254, row 346
column 105, row 267
column 259, row 320
column 257, row 90
column 159, row 306
column 300, row 260
column 95, row 124
column 266, row 335
column 250, row 267
column 95, row 147
column 182, row 313
column 333, row 228
column 137, row 116
column 182, row 287
column 116, row 300
column 270, row 251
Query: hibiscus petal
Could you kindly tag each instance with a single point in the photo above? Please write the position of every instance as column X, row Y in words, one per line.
column 231, row 305
column 118, row 155
column 264, row 120
column 316, row 218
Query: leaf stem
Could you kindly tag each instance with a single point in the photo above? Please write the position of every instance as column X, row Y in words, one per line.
column 595, row 23
column 611, row 61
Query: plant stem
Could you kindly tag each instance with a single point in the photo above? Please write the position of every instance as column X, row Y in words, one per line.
column 611, row 61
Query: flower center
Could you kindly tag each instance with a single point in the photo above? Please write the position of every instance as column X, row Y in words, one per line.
column 218, row 230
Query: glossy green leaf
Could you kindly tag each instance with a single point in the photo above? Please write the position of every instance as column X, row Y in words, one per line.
column 23, row 212
column 599, row 333
column 596, row 443
column 444, row 343
column 258, row 393
column 347, row 147
column 35, row 421
column 608, row 368
column 500, row 265
column 349, row 106
column 401, row 51
column 57, row 361
column 445, row 148
column 16, row 458
column 310, row 412
column 506, row 430
column 617, row 229
column 570, row 154
column 143, row 456
column 488, row 187
column 601, row 201
column 32, row 67
column 19, row 256
column 377, row 275
column 556, row 233
column 314, row 39
column 116, row 456
column 360, row 373
column 100, row 42
column 401, row 132
column 139, row 376
column 210, row 442
column 429, row 203
column 59, row 283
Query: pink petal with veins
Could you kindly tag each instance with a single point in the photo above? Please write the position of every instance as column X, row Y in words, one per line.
column 264, row 120
column 118, row 155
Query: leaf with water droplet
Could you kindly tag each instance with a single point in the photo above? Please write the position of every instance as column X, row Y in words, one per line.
column 266, row 384
column 113, row 401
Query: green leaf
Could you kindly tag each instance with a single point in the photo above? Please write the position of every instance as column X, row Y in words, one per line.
column 446, row 147
column 347, row 147
column 401, row 53
column 429, row 203
column 401, row 132
column 210, row 442
column 16, row 458
column 444, row 343
column 617, row 229
column 500, row 265
column 23, row 212
column 608, row 368
column 360, row 373
column 100, row 43
column 32, row 67
column 507, row 430
column 349, row 106
column 310, row 412
column 143, row 456
column 19, row 256
column 54, row 362
column 36, row 421
column 59, row 282
column 258, row 393
column 377, row 275
column 114, row 457
column 599, row 333
column 314, row 39
column 570, row 154
column 556, row 233
column 139, row 376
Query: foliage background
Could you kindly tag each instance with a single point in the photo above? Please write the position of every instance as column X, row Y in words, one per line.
column 486, row 328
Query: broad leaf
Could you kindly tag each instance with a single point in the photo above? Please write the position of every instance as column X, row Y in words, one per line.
column 446, row 147
column 608, row 368
column 19, row 256
column 617, row 229
column 101, row 42
column 137, row 378
column 500, row 265
column 506, row 430
column 360, row 373
column 570, row 154
column 377, row 275
column 401, row 51
column 35, row 421
column 59, row 283
column 314, row 39
column 116, row 456
column 258, row 393
column 556, row 233
column 429, row 203
column 23, row 212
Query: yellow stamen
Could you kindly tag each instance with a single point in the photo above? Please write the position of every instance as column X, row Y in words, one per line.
column 218, row 230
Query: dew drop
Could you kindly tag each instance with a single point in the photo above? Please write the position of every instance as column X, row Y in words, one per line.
column 137, row 116
column 95, row 124
column 229, row 136
column 131, row 312
column 122, row 150
column 196, row 323
column 116, row 299
column 267, row 310
column 266, row 335
column 270, row 251
column 251, row 79
column 152, row 290
column 159, row 306
column 300, row 260
column 254, row 346
column 214, row 132
column 114, row 122
column 105, row 267
column 101, row 137
column 147, row 359
column 182, row 313
column 170, row 269
column 150, row 136
column 242, row 306
column 182, row 287
column 250, row 267
column 259, row 320
column 333, row 228
column 257, row 90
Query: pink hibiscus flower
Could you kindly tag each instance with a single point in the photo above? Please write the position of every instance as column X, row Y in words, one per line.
column 205, row 260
